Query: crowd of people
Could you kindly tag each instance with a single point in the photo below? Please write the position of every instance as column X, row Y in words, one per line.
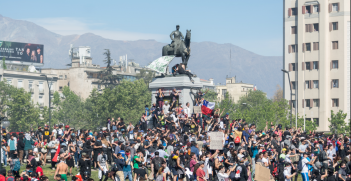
column 170, row 143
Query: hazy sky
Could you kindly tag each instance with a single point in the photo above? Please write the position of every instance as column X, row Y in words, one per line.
column 254, row 25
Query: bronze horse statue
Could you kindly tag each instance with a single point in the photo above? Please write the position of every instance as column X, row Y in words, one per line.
column 182, row 51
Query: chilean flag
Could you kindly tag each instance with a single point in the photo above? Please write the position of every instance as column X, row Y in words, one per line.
column 255, row 88
column 207, row 107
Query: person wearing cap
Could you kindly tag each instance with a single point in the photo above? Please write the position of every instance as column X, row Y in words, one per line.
column 156, row 163
column 305, row 163
column 166, row 107
column 200, row 173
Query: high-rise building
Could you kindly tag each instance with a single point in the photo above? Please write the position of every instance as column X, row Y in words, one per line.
column 317, row 57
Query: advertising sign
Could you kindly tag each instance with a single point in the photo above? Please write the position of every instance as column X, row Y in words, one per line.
column 22, row 52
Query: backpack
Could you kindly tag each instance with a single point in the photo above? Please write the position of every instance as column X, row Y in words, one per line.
column 299, row 165
column 158, row 163
column 172, row 162
column 159, row 178
column 211, row 163
column 237, row 139
column 187, row 164
column 280, row 171
column 238, row 170
column 10, row 178
column 275, row 170
column 17, row 166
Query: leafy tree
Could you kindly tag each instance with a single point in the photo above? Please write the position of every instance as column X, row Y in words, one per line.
column 108, row 78
column 278, row 95
column 210, row 96
column 337, row 123
column 146, row 75
column 309, row 125
column 3, row 63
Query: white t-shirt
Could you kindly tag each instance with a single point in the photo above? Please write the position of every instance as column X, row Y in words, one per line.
column 166, row 108
column 207, row 168
column 287, row 159
column 304, row 165
column 287, row 172
column 330, row 155
column 265, row 160
column 54, row 132
column 222, row 176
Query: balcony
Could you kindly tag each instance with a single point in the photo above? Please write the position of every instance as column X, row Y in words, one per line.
column 41, row 104
column 41, row 91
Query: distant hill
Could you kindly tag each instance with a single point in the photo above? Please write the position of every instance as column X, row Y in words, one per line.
column 208, row 59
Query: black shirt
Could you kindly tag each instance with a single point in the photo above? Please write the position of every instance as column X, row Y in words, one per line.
column 47, row 134
column 98, row 143
column 85, row 165
column 123, row 126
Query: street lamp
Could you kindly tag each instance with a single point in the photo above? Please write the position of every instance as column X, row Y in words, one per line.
column 290, row 99
column 49, row 85
column 4, row 123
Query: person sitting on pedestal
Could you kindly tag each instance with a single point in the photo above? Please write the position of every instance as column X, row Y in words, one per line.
column 181, row 70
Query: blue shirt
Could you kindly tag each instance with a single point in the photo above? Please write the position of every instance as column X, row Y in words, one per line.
column 147, row 111
column 254, row 151
column 246, row 136
column 195, row 150
column 127, row 167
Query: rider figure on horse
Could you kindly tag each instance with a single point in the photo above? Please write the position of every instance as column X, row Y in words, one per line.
column 177, row 41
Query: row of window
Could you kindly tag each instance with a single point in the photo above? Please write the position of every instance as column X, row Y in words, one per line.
column 314, row 84
column 30, row 85
column 314, row 27
column 334, row 64
column 313, row 103
column 333, row 7
column 307, row 46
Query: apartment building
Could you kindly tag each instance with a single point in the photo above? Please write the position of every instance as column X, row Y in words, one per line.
column 317, row 57
column 32, row 82
column 234, row 89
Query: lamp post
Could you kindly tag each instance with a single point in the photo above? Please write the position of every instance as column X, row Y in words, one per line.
column 4, row 123
column 49, row 85
column 290, row 98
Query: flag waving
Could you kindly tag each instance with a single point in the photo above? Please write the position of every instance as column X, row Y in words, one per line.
column 56, row 154
column 160, row 64
column 207, row 107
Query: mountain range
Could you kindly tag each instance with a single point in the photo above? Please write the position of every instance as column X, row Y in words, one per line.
column 208, row 59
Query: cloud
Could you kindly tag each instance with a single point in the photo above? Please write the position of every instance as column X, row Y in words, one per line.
column 70, row 26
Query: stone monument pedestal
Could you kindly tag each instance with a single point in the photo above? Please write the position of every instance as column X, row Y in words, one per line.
column 181, row 82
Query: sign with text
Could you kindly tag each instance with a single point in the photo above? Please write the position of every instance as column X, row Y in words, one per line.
column 216, row 140
column 197, row 109
column 22, row 52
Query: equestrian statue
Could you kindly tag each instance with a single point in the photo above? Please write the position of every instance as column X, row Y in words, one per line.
column 180, row 46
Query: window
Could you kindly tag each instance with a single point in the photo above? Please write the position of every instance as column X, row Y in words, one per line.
column 308, row 65
column 315, row 45
column 315, row 65
column 335, row 45
column 315, row 102
column 30, row 86
column 315, row 27
column 41, row 101
column 307, row 102
column 335, row 64
column 292, row 48
column 335, row 26
column 335, row 102
column 293, row 30
column 292, row 67
column 41, row 87
column 60, row 77
column 293, row 11
column 65, row 77
column 308, row 9
column 335, row 6
column 308, row 119
column 293, row 103
column 316, row 120
column 9, row 81
column 224, row 91
column 307, row 84
column 308, row 46
column 293, row 86
column 316, row 84
column 99, row 86
column 315, row 8
column 19, row 84
column 335, row 83
column 60, row 88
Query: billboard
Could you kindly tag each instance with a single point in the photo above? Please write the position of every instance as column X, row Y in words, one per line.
column 27, row 53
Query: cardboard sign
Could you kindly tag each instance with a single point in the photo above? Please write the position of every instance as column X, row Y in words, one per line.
column 197, row 109
column 216, row 140
column 261, row 172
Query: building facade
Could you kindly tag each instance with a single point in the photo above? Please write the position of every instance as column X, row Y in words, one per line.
column 32, row 82
column 234, row 89
column 317, row 57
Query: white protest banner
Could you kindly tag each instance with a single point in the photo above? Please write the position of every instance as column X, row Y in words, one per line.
column 216, row 140
column 197, row 109
column 160, row 64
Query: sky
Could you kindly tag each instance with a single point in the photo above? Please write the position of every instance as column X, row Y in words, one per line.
column 254, row 25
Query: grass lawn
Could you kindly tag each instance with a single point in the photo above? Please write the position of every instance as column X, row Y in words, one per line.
column 50, row 173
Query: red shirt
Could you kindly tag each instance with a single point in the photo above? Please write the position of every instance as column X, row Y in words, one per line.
column 2, row 178
column 201, row 174
column 39, row 169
